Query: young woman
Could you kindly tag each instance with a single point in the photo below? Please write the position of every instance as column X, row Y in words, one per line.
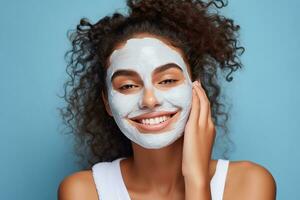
column 144, row 103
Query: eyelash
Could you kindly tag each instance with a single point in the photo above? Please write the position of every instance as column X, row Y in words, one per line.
column 168, row 81
column 130, row 86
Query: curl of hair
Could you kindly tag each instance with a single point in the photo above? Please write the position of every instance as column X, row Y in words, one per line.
column 208, row 39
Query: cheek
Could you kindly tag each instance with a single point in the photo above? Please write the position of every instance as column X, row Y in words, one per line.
column 121, row 104
column 180, row 95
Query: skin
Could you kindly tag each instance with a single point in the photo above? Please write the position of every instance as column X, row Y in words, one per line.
column 163, row 77
column 191, row 171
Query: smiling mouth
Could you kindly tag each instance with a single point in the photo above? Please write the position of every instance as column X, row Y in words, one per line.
column 153, row 121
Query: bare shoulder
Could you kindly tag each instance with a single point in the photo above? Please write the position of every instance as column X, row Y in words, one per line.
column 78, row 186
column 249, row 180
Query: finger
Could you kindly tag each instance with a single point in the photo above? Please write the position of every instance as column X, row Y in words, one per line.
column 203, row 117
column 211, row 125
column 195, row 109
column 210, row 122
column 209, row 116
column 209, row 112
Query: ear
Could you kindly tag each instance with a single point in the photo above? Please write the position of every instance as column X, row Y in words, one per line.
column 107, row 108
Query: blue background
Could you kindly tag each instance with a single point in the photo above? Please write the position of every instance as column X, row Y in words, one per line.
column 35, row 156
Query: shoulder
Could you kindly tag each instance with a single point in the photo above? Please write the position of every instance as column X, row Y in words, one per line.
column 252, row 180
column 78, row 186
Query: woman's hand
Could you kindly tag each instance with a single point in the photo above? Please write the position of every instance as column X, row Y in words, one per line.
column 197, row 146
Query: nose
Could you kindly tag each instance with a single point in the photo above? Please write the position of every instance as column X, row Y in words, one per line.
column 149, row 100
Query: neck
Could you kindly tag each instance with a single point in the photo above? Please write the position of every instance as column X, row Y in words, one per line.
column 159, row 168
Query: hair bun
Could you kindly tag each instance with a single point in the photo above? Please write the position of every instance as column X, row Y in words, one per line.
column 183, row 14
column 151, row 8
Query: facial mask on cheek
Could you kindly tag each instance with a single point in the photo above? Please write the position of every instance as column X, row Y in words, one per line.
column 143, row 55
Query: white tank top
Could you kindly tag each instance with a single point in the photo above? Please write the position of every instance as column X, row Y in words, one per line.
column 110, row 184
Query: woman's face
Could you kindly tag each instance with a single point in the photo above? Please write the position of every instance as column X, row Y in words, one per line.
column 149, row 91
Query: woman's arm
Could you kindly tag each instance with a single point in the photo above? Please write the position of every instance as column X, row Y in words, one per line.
column 197, row 190
column 197, row 148
column 261, row 185
column 78, row 186
column 250, row 181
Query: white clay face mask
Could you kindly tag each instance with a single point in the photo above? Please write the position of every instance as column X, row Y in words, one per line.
column 144, row 55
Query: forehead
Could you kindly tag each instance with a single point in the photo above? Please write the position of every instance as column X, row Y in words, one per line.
column 144, row 55
column 149, row 36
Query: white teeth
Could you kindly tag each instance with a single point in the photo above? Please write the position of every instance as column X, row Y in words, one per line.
column 159, row 119
column 152, row 121
column 155, row 120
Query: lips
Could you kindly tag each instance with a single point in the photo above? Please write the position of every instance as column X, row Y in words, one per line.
column 154, row 121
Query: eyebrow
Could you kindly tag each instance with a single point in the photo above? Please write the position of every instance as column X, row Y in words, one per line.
column 166, row 67
column 133, row 73
column 123, row 73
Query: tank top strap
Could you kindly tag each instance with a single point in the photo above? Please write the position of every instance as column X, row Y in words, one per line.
column 218, row 181
column 123, row 193
column 101, row 174
column 108, row 180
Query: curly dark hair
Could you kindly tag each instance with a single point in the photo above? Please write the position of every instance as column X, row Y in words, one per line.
column 208, row 40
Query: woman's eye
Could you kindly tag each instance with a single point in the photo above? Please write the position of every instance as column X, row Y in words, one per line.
column 128, row 86
column 168, row 81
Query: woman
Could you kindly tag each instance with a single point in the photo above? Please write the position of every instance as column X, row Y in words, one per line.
column 144, row 103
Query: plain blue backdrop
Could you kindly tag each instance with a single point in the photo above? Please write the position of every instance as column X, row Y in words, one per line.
column 35, row 156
